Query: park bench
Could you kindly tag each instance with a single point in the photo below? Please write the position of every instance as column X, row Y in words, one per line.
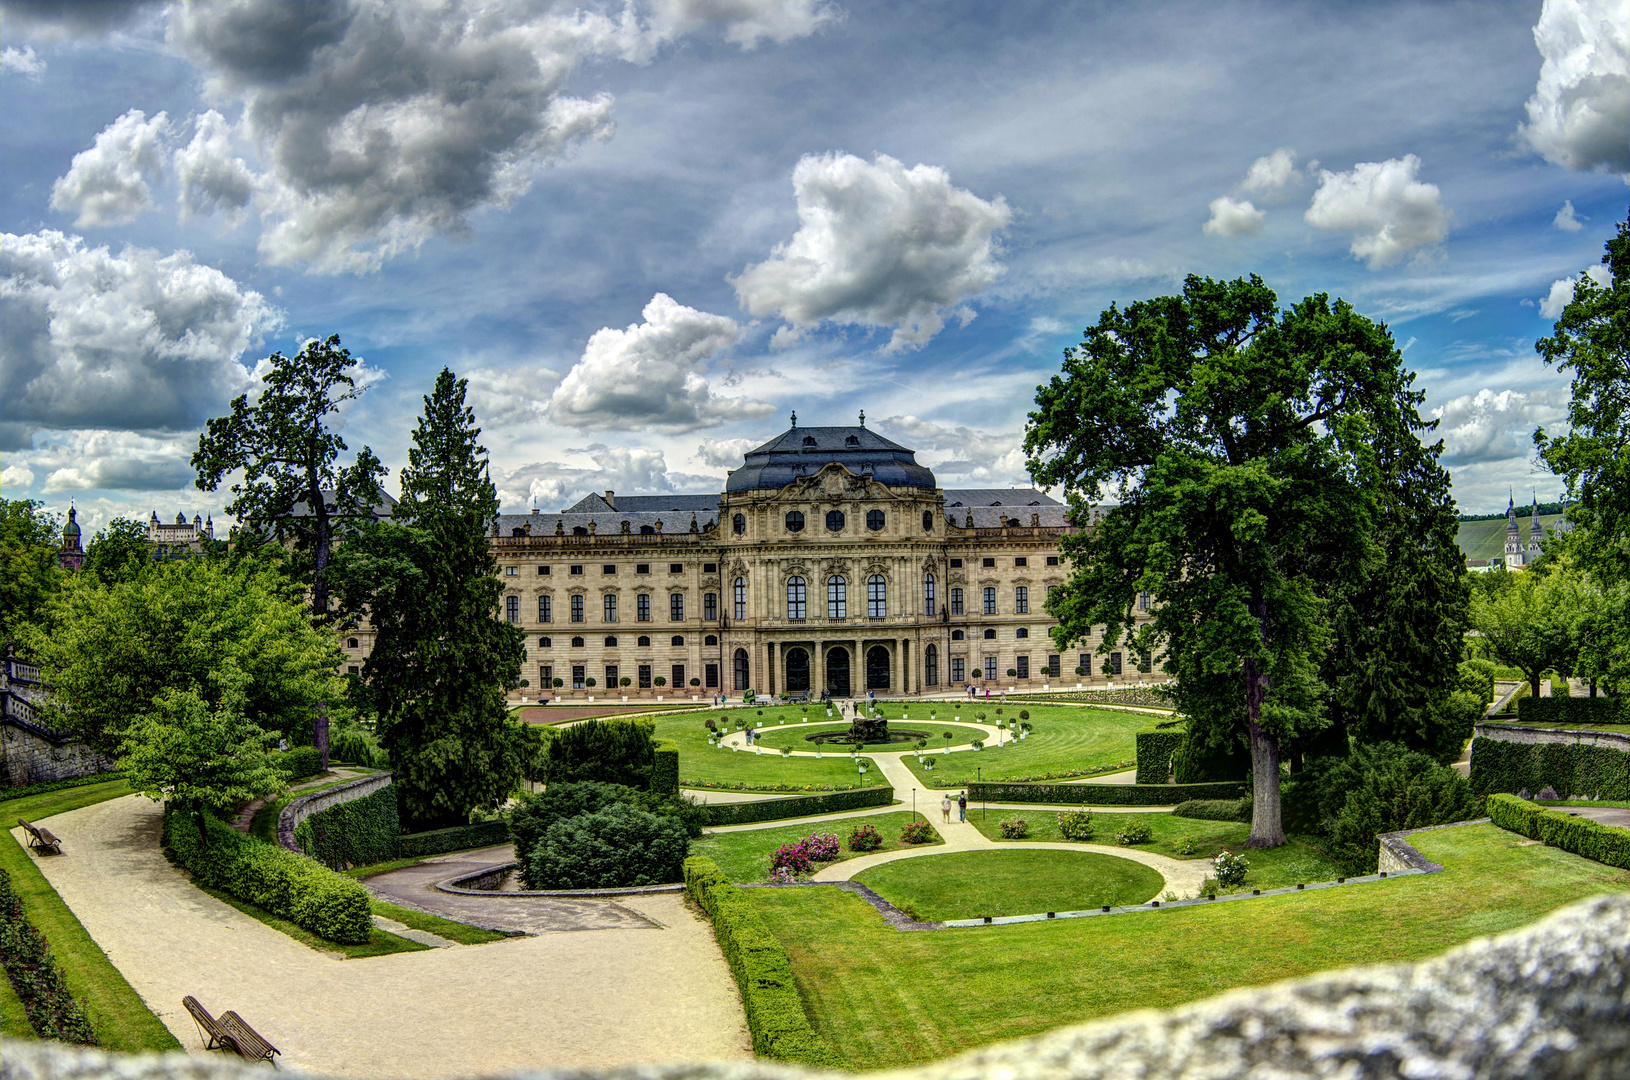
column 41, row 839
column 230, row 1032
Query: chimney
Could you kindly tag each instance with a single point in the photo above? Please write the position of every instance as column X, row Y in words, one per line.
column 611, row 499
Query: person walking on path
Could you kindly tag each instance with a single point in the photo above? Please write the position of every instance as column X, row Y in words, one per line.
column 962, row 806
column 749, row 734
column 945, row 809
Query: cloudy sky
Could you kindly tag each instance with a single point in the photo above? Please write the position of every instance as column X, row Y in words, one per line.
column 648, row 232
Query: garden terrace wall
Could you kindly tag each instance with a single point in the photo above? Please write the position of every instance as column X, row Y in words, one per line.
column 1104, row 794
column 298, row 810
column 743, row 813
column 458, row 838
column 1504, row 765
column 1563, row 711
column 1559, row 829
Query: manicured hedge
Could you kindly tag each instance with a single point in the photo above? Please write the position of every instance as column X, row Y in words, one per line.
column 832, row 802
column 1580, row 835
column 458, row 838
column 1563, row 711
column 775, row 1016
column 356, row 833
column 1598, row 772
column 299, row 763
column 665, row 766
column 1156, row 749
column 283, row 882
column 1214, row 809
column 33, row 971
column 1104, row 794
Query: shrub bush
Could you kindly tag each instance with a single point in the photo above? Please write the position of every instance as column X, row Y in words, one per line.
column 1230, row 869
column 1102, row 794
column 1134, row 832
column 798, row 858
column 743, row 813
column 1214, row 809
column 776, row 1019
column 285, row 883
column 1477, row 677
column 865, row 838
column 299, row 763
column 619, row 845
column 1558, row 829
column 1597, row 772
column 918, row 832
column 34, row 974
column 357, row 833
column 533, row 814
column 1015, row 828
column 1076, row 825
column 605, row 751
column 1563, row 711
column 665, row 767
column 356, row 747
column 1193, row 764
column 1156, row 748
column 458, row 838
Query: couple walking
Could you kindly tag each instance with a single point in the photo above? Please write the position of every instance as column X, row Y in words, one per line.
column 961, row 807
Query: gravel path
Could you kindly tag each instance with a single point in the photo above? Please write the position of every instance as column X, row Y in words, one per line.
column 593, row 999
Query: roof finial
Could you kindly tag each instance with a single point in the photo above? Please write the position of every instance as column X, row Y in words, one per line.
column 795, row 418
column 862, row 417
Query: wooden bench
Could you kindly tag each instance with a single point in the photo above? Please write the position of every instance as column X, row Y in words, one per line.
column 231, row 1032
column 215, row 1036
column 41, row 839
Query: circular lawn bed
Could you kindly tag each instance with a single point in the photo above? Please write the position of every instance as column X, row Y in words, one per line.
column 798, row 736
column 973, row 884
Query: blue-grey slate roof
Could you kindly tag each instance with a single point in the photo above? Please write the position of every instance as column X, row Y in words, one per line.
column 804, row 451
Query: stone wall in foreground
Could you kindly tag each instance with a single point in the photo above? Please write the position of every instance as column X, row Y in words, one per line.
column 1551, row 1000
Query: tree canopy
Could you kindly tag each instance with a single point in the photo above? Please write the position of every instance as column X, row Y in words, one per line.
column 1257, row 457
column 117, row 552
column 29, row 573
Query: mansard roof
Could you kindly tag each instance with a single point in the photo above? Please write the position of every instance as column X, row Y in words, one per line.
column 998, row 497
column 804, row 451
column 671, row 503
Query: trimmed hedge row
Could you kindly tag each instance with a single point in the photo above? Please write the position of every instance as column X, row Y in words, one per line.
column 1214, row 809
column 1105, row 794
column 458, row 838
column 33, row 971
column 1155, row 752
column 356, row 833
column 775, row 1016
column 300, row 762
column 742, row 813
column 1598, row 772
column 1563, row 711
column 1580, row 835
column 665, row 766
column 283, row 882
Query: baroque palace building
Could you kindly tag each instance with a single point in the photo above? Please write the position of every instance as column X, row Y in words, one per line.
column 832, row 562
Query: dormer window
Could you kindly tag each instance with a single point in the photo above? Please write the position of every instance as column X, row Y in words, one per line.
column 809, row 440
column 853, row 440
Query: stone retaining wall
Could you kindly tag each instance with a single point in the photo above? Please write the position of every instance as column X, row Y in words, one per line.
column 306, row 805
column 1512, row 733
column 1398, row 854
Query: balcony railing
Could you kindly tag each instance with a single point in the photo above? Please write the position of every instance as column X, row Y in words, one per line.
column 613, row 539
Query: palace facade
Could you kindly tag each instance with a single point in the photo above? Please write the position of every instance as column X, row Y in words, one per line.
column 832, row 562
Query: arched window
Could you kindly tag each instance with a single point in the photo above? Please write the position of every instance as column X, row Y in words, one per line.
column 710, row 640
column 577, row 643
column 741, row 600
column 351, row 643
column 990, row 635
column 956, row 635
column 739, row 662
column 1021, row 600
column 545, row 643
column 739, row 524
column 644, row 642
column 795, row 521
column 678, row 641
column 834, row 520
column 931, row 666
column 545, row 609
column 837, row 598
column 610, row 605
column 796, row 600
column 928, row 521
column 1021, row 632
column 512, row 608
column 877, row 595
column 928, row 595
column 874, row 520
column 611, row 643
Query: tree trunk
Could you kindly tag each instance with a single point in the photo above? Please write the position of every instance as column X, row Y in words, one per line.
column 1267, row 829
column 198, row 823
column 320, row 543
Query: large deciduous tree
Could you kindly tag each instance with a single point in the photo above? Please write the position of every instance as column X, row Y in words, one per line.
column 1530, row 621
column 117, row 552
column 1255, row 454
column 292, row 489
column 29, row 573
column 441, row 661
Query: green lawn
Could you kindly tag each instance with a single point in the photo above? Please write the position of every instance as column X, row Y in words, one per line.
column 121, row 1020
column 745, row 856
column 704, row 766
column 1066, row 740
column 794, row 735
column 13, row 1016
column 379, row 943
column 1295, row 863
column 883, row 998
column 463, row 933
column 1622, row 729
column 974, row 884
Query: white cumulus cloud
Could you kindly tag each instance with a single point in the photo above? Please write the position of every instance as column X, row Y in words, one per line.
column 651, row 374
column 107, row 184
column 1561, row 294
column 211, row 178
column 554, row 485
column 962, row 454
column 1386, row 208
column 1272, row 172
column 506, row 397
column 1233, row 217
column 1579, row 115
column 1494, row 425
column 723, row 453
column 22, row 62
column 747, row 22
column 16, row 476
column 1567, row 220
column 878, row 245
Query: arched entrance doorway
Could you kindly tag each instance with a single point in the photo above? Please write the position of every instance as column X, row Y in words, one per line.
column 740, row 664
column 797, row 671
column 877, row 668
column 837, row 672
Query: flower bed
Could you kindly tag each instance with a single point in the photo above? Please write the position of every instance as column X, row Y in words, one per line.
column 33, row 971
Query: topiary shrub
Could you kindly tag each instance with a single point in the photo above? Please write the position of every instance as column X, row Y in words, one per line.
column 299, row 763
column 1214, row 809
column 605, row 751
column 1075, row 825
column 617, row 846
column 865, row 838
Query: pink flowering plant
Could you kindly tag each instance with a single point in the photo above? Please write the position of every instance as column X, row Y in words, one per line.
column 797, row 860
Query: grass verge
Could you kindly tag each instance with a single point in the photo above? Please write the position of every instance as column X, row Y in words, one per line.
column 463, row 933
column 380, row 942
column 122, row 1021
column 963, row 988
column 973, row 884
column 704, row 766
column 1066, row 741
column 13, row 1016
column 745, row 856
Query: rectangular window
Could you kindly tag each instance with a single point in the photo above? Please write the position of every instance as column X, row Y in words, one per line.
column 956, row 564
column 676, row 607
column 353, row 670
column 741, row 600
column 611, row 607
column 1085, row 664
column 577, row 609
column 577, row 571
column 678, row 676
column 543, row 571
column 1143, row 601
column 642, row 568
column 988, row 562
column 512, row 608
column 990, row 600
column 957, row 670
column 608, row 569
column 877, row 597
column 577, row 676
column 511, row 571
column 645, row 676
column 1021, row 561
column 931, row 667
column 1052, row 560
column 642, row 607
column 1052, row 665
column 797, row 600
column 928, row 596
column 676, row 568
column 1021, row 600
column 546, row 678
column 545, row 609
column 710, row 607
column 710, row 568
column 1114, row 665
column 1023, row 666
column 1146, row 663
column 990, row 667
column 956, row 601
column 837, row 598
column 710, row 676
column 611, row 676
